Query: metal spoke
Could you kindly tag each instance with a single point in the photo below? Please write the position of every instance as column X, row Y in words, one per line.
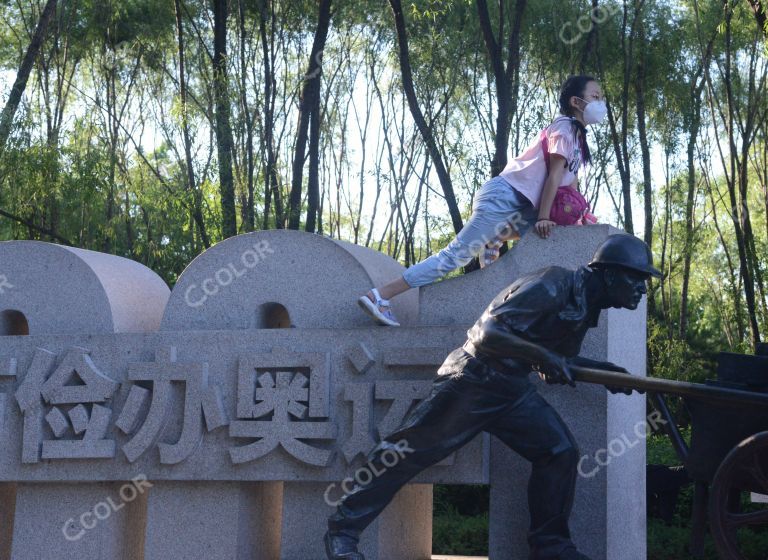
column 757, row 469
column 735, row 520
column 754, row 466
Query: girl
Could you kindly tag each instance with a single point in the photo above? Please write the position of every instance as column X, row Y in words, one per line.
column 508, row 205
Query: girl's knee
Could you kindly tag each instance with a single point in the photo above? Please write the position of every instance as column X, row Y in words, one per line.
column 461, row 252
column 450, row 262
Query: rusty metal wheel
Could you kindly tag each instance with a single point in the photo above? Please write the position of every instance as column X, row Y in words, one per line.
column 734, row 518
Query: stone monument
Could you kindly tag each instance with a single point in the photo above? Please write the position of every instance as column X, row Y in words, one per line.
column 222, row 420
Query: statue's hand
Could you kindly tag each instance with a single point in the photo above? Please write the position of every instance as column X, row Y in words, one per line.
column 556, row 370
column 610, row 366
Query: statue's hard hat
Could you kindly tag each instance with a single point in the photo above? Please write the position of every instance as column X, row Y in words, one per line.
column 623, row 249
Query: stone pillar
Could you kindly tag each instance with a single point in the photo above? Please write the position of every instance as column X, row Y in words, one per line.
column 608, row 519
column 303, row 521
column 405, row 527
column 402, row 531
column 74, row 521
column 7, row 511
column 213, row 520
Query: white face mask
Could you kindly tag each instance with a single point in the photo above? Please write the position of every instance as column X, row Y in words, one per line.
column 594, row 112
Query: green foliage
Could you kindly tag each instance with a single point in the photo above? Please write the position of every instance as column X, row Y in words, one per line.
column 670, row 542
column 460, row 523
column 660, row 451
column 453, row 533
column 672, row 358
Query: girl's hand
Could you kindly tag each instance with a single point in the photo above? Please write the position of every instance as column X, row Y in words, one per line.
column 543, row 227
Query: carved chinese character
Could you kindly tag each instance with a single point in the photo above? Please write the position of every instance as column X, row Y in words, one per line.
column 74, row 389
column 366, row 433
column 9, row 371
column 361, row 441
column 283, row 392
column 200, row 401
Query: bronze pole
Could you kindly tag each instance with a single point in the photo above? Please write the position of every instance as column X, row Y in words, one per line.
column 679, row 388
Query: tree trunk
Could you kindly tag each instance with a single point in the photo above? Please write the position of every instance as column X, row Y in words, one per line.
column 737, row 181
column 308, row 104
column 313, row 181
column 249, row 217
column 693, row 134
column 619, row 137
column 589, row 44
column 506, row 79
column 418, row 117
column 14, row 98
column 645, row 154
column 197, row 200
column 758, row 8
column 223, row 127
column 270, row 166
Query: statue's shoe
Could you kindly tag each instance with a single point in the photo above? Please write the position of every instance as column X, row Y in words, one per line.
column 340, row 547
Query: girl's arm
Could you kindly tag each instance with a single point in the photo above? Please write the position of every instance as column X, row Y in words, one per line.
column 551, row 184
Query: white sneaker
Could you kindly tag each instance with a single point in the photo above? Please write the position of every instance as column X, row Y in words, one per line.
column 381, row 310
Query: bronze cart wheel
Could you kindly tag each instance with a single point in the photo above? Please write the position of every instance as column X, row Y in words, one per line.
column 744, row 469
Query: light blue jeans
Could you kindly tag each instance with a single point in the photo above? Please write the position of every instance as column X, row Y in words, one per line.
column 497, row 207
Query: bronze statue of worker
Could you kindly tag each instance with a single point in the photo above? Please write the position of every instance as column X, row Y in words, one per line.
column 536, row 324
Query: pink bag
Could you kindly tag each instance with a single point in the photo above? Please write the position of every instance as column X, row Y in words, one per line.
column 569, row 207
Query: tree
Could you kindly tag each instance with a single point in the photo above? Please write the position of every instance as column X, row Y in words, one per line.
column 309, row 113
column 418, row 116
column 224, row 140
column 506, row 76
column 759, row 9
column 197, row 205
column 9, row 111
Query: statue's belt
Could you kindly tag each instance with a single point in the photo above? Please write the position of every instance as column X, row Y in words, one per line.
column 510, row 366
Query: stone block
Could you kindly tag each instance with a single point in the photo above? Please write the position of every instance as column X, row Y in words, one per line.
column 608, row 519
column 269, row 279
column 50, row 288
column 462, row 299
column 160, row 424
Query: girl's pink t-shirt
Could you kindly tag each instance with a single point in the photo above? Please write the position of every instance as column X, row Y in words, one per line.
column 528, row 171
